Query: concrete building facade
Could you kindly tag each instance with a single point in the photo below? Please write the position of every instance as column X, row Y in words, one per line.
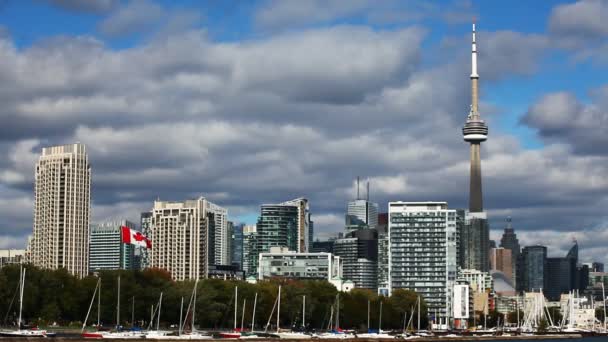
column 422, row 252
column 62, row 210
column 179, row 232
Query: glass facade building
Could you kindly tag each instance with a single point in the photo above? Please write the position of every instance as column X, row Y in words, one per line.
column 236, row 248
column 359, row 254
column 106, row 250
column 534, row 262
column 474, row 240
column 422, row 252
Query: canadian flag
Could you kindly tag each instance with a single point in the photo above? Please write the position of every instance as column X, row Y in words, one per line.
column 134, row 237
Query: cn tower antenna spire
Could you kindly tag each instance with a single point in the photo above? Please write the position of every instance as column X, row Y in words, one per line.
column 475, row 131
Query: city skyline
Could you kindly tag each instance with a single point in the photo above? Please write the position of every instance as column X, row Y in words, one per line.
column 389, row 107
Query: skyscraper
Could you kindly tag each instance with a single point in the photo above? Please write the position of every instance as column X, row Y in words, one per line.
column 304, row 224
column 475, row 235
column 422, row 252
column 106, row 250
column 361, row 213
column 179, row 233
column 250, row 251
column 534, row 271
column 219, row 249
column 237, row 245
column 359, row 254
column 509, row 241
column 62, row 209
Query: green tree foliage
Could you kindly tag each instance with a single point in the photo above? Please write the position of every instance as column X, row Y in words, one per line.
column 57, row 297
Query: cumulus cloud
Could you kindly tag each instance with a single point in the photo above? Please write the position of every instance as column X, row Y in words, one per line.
column 289, row 114
column 561, row 117
column 133, row 17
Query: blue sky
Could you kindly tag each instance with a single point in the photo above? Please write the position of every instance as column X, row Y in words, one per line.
column 251, row 102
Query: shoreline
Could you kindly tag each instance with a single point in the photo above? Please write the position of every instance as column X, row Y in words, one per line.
column 421, row 339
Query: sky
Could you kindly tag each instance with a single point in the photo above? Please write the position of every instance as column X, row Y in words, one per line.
column 251, row 102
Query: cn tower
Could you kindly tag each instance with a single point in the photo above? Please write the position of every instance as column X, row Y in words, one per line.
column 475, row 131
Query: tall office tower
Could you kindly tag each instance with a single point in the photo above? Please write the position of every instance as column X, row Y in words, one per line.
column 106, row 250
column 359, row 254
column 509, row 241
column 179, row 233
column 476, row 232
column 145, row 224
column 303, row 223
column 62, row 207
column 422, row 252
column 501, row 261
column 219, row 238
column 237, row 246
column 361, row 213
column 250, row 251
column 534, row 268
column 383, row 263
column 474, row 241
column 277, row 226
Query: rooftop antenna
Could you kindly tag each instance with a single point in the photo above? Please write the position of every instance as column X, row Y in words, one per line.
column 367, row 195
column 357, row 187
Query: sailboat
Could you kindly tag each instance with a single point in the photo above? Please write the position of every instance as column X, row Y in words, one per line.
column 33, row 332
column 378, row 334
column 107, row 334
column 335, row 331
column 193, row 334
column 289, row 334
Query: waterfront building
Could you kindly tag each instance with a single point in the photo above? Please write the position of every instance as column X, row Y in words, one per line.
column 561, row 274
column 282, row 263
column 534, row 268
column 106, row 249
column 475, row 236
column 62, row 210
column 478, row 281
column 250, row 251
column 145, row 223
column 422, row 252
column 179, row 231
column 303, row 223
column 218, row 235
column 237, row 245
column 11, row 256
column 359, row 253
column 383, row 263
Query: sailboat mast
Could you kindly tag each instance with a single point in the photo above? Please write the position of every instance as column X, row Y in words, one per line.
column 84, row 324
column 98, row 304
column 194, row 303
column 22, row 281
column 236, row 301
column 160, row 303
column 338, row 311
column 418, row 327
column 181, row 311
column 304, row 312
column 604, row 304
column 368, row 306
column 255, row 302
column 133, row 311
column 243, row 314
column 380, row 320
column 278, row 307
column 118, row 305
